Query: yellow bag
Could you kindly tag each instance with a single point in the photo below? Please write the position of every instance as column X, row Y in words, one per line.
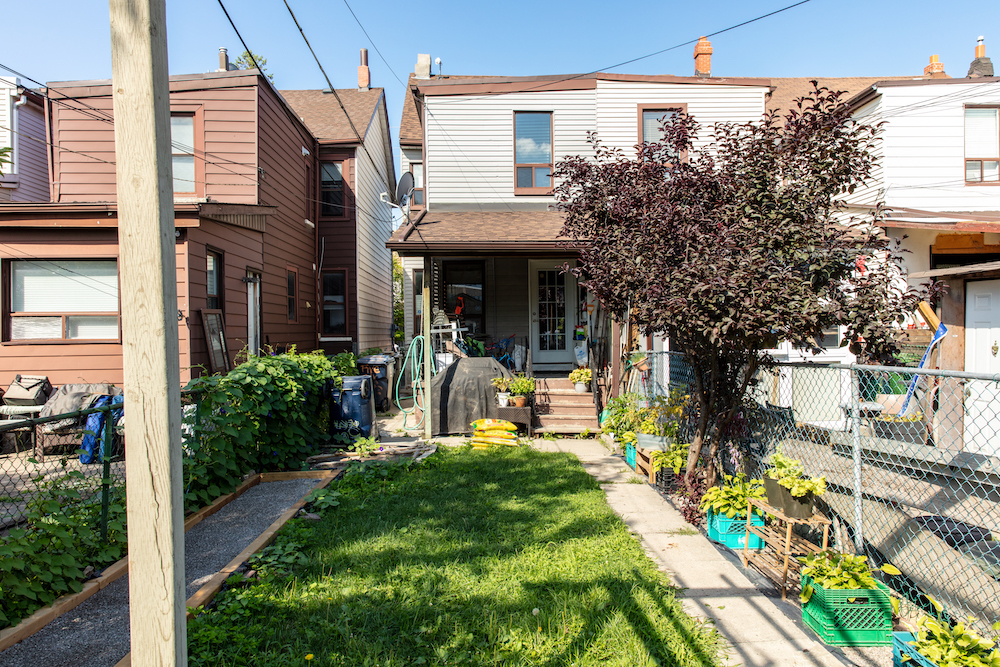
column 496, row 433
column 482, row 440
column 501, row 424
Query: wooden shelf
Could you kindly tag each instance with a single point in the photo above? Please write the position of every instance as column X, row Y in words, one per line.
column 779, row 557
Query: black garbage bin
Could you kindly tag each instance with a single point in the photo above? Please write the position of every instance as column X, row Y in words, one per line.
column 352, row 411
column 380, row 367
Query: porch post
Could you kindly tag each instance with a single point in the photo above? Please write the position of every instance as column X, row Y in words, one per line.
column 428, row 343
column 616, row 357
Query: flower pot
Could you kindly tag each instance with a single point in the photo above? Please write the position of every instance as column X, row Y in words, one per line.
column 773, row 489
column 503, row 398
column 520, row 401
column 658, row 443
column 581, row 387
column 797, row 508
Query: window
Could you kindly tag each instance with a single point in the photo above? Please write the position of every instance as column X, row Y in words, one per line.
column 651, row 121
column 293, row 292
column 417, row 169
column 182, row 152
column 418, row 302
column 982, row 145
column 463, row 290
column 334, row 303
column 533, row 152
column 331, row 187
column 63, row 300
column 213, row 280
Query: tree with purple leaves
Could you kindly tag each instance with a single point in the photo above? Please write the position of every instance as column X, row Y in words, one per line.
column 734, row 245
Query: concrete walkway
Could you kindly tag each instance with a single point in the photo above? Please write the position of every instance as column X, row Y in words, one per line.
column 717, row 587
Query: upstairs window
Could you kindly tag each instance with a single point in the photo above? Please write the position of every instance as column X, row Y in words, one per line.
column 182, row 153
column 331, row 187
column 533, row 152
column 982, row 145
column 62, row 300
column 417, row 169
column 651, row 120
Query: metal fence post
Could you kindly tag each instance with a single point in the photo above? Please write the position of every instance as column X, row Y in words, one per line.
column 859, row 537
column 106, row 474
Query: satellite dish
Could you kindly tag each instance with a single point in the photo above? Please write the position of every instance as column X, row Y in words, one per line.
column 404, row 188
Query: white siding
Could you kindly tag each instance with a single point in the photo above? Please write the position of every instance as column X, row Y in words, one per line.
column 924, row 146
column 32, row 162
column 871, row 192
column 408, row 155
column 374, row 226
column 410, row 264
column 618, row 107
column 470, row 142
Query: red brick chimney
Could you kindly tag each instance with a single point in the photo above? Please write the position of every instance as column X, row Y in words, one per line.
column 703, row 57
column 364, row 75
column 936, row 68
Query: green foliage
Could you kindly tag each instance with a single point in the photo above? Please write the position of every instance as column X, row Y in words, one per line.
column 662, row 416
column 674, row 457
column 801, row 486
column 245, row 61
column 839, row 572
column 783, row 467
column 370, row 351
column 790, row 474
column 265, row 414
column 346, row 364
column 732, row 498
column 582, row 374
column 501, row 384
column 323, row 499
column 953, row 646
column 44, row 559
column 277, row 559
column 445, row 563
column 365, row 446
column 522, row 385
column 4, row 157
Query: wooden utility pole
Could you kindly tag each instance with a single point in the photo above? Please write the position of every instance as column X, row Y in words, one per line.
column 149, row 332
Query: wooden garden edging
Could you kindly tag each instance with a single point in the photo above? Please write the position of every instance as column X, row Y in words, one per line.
column 45, row 615
column 208, row 591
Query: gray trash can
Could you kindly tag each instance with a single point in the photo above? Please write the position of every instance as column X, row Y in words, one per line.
column 380, row 367
column 352, row 413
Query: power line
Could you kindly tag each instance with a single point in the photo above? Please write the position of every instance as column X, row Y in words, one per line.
column 372, row 42
column 384, row 178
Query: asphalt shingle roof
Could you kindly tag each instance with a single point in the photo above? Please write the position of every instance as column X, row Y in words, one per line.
column 325, row 119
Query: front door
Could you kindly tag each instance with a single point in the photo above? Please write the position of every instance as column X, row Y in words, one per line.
column 253, row 311
column 982, row 343
column 553, row 297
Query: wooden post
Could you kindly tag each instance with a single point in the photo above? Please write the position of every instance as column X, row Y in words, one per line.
column 428, row 346
column 149, row 332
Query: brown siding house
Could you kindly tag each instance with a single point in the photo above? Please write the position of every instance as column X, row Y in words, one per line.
column 245, row 170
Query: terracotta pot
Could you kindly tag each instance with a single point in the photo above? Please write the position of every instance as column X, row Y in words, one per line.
column 520, row 401
column 775, row 497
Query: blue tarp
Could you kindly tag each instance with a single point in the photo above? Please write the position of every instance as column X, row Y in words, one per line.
column 94, row 430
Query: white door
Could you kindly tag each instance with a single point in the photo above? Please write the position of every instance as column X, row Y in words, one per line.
column 982, row 345
column 253, row 312
column 552, row 295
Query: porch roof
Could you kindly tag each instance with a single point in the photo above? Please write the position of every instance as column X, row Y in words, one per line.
column 512, row 232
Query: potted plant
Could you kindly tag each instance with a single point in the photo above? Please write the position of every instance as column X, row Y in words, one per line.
column 521, row 387
column 842, row 602
column 799, row 495
column 660, row 421
column 939, row 644
column 726, row 508
column 781, row 467
column 502, row 385
column 581, row 379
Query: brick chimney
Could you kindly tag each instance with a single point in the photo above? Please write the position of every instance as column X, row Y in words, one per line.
column 364, row 74
column 703, row 57
column 422, row 70
column 981, row 66
column 936, row 69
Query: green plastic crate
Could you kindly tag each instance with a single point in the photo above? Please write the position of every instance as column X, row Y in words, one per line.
column 901, row 647
column 849, row 618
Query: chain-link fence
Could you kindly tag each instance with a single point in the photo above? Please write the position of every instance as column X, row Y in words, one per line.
column 912, row 463
column 75, row 459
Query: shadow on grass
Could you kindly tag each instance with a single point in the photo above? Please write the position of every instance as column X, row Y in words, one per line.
column 503, row 557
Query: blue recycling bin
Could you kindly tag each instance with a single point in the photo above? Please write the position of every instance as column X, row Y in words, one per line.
column 380, row 368
column 352, row 411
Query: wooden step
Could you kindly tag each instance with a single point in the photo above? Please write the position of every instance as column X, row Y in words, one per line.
column 585, row 410
column 566, row 424
column 564, row 397
column 543, row 384
column 567, row 429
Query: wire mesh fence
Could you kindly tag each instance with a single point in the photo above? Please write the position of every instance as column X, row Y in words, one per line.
column 912, row 463
column 76, row 458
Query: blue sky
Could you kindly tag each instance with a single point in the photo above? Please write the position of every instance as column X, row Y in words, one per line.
column 58, row 40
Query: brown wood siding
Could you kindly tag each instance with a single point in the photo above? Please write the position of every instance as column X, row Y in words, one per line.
column 227, row 157
column 183, row 260
column 288, row 241
column 241, row 249
column 340, row 252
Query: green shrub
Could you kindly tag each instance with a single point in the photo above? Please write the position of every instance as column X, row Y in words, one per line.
column 267, row 413
column 346, row 364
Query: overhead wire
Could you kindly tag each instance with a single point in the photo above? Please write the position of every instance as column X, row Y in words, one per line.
column 372, row 42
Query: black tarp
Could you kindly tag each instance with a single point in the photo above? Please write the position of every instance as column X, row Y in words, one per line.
column 462, row 393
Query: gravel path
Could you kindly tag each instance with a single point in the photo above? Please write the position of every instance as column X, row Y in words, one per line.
column 96, row 634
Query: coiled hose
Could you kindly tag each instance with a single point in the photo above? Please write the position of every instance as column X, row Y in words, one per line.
column 415, row 358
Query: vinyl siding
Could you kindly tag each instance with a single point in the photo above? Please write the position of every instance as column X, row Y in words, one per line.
column 32, row 162
column 872, row 190
column 374, row 226
column 470, row 142
column 510, row 303
column 410, row 264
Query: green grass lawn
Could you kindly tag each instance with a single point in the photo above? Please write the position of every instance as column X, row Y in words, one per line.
column 498, row 557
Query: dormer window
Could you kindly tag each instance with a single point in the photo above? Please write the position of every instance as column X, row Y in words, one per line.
column 532, row 152
column 982, row 145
